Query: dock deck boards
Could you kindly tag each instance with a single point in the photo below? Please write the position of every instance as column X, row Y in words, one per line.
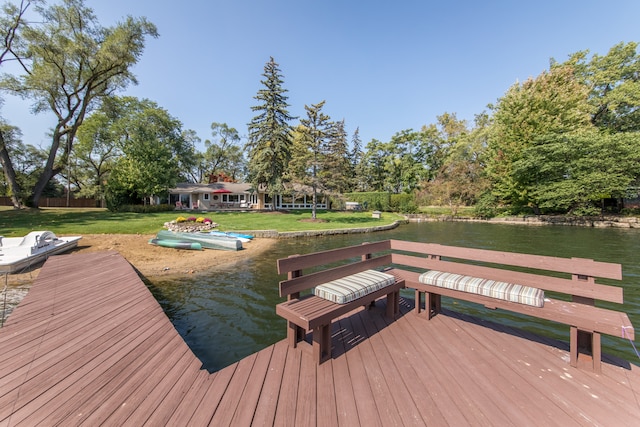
column 89, row 345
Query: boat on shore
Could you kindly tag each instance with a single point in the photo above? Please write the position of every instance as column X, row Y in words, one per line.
column 208, row 241
column 244, row 238
column 20, row 253
column 176, row 244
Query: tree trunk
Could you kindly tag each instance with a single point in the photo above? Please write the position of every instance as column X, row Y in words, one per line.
column 10, row 174
column 314, row 200
column 43, row 180
column 48, row 172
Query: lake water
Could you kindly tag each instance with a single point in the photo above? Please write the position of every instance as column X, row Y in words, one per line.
column 225, row 316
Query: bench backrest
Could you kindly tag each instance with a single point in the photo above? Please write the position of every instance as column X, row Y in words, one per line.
column 294, row 265
column 581, row 286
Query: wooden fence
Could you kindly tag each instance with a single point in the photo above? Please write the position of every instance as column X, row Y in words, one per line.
column 58, row 202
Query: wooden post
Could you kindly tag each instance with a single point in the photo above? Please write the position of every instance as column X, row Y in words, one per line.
column 596, row 353
column 295, row 333
column 573, row 347
column 322, row 343
column 418, row 301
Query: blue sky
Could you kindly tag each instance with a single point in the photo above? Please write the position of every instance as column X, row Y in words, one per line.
column 382, row 66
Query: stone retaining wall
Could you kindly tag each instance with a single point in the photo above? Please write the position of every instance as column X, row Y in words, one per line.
column 599, row 222
column 273, row 234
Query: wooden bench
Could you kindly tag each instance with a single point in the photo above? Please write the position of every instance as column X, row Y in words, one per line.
column 307, row 312
column 577, row 283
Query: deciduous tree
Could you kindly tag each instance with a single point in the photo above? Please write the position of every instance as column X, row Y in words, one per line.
column 70, row 63
column 96, row 152
column 224, row 153
column 460, row 180
column 573, row 171
column 155, row 152
column 11, row 24
column 613, row 81
column 554, row 103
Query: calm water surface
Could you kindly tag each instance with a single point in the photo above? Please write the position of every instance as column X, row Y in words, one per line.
column 227, row 315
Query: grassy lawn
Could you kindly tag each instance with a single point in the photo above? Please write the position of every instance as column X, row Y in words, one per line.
column 66, row 221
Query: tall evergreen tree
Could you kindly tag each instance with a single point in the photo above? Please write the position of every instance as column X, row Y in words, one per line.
column 355, row 158
column 336, row 168
column 373, row 166
column 317, row 129
column 270, row 139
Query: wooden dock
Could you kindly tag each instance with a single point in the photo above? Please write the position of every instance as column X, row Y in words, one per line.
column 89, row 345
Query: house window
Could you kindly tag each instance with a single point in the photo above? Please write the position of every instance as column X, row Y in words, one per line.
column 206, row 196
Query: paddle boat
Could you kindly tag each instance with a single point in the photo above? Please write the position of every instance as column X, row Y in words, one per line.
column 208, row 241
column 20, row 253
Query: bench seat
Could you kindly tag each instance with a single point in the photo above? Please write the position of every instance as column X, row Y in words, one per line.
column 490, row 288
column 354, row 286
column 311, row 311
column 580, row 317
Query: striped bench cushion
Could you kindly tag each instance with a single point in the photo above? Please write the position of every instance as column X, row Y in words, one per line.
column 490, row 288
column 352, row 287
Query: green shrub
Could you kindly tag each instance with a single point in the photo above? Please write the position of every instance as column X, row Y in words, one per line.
column 486, row 206
column 586, row 209
column 630, row 211
column 380, row 201
column 403, row 203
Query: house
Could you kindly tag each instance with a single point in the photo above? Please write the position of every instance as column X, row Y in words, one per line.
column 217, row 195
column 234, row 195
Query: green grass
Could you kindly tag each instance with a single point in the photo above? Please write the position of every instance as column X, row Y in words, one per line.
column 67, row 221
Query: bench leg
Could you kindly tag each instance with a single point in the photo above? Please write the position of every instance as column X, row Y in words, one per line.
column 588, row 340
column 596, row 351
column 393, row 304
column 418, row 300
column 295, row 334
column 322, row 343
column 432, row 304
column 573, row 347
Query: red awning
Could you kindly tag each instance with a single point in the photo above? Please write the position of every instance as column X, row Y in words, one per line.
column 221, row 190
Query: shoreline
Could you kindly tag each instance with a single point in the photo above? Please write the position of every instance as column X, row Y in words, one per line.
column 539, row 220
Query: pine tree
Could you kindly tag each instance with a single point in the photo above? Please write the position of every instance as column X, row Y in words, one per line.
column 355, row 160
column 270, row 140
column 336, row 167
column 316, row 132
